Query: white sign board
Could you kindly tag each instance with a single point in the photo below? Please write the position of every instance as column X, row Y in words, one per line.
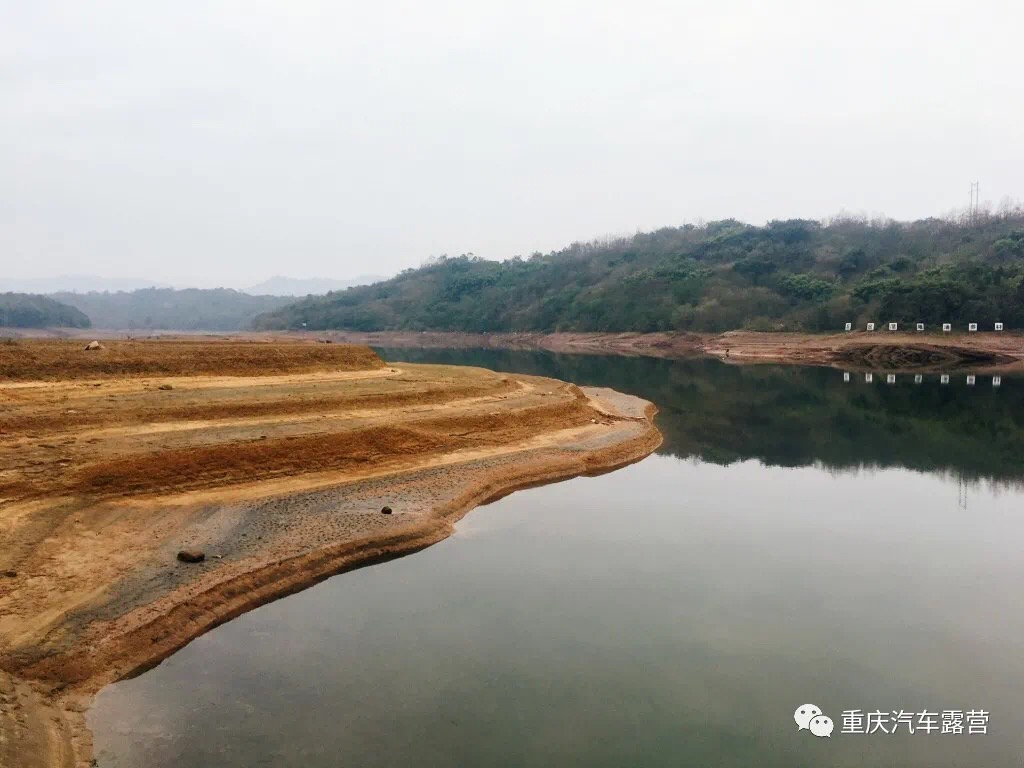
column 999, row 326
column 972, row 327
column 849, row 326
column 892, row 326
column 868, row 378
column 997, row 381
column 871, row 326
column 920, row 326
column 947, row 327
column 846, row 376
column 918, row 378
column 944, row 378
column 890, row 379
column 970, row 381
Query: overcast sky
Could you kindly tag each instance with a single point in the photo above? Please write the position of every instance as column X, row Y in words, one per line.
column 221, row 143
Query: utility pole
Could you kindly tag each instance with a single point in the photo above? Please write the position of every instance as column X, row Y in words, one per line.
column 972, row 210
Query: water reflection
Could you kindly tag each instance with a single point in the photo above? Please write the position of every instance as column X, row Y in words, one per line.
column 672, row 613
column 970, row 379
column 795, row 416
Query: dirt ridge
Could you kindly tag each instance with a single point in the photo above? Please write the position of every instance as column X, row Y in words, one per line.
column 278, row 503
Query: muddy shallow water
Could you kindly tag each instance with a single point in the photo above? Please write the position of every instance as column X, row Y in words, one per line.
column 798, row 538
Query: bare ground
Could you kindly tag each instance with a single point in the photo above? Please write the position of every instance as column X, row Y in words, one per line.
column 277, row 475
column 853, row 351
column 872, row 351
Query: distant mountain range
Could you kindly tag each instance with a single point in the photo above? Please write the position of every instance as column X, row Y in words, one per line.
column 23, row 310
column 316, row 286
column 124, row 304
column 188, row 309
column 75, row 284
column 278, row 285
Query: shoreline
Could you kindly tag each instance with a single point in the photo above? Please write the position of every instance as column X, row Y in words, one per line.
column 130, row 605
column 279, row 580
column 986, row 351
column 854, row 350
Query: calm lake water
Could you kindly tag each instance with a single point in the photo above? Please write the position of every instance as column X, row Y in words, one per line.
column 797, row 539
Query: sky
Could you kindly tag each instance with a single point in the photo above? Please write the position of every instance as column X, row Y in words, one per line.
column 221, row 143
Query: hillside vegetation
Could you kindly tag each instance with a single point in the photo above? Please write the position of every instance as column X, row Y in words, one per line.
column 787, row 275
column 25, row 310
column 190, row 309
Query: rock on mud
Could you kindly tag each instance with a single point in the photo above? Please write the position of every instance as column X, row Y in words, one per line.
column 386, row 511
column 191, row 556
column 93, row 345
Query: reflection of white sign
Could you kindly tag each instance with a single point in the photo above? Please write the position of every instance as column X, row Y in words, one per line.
column 970, row 381
column 871, row 326
column 892, row 326
column 946, row 327
column 999, row 326
column 849, row 326
column 846, row 376
column 890, row 379
column 918, row 378
column 920, row 326
column 868, row 378
column 997, row 381
column 944, row 378
column 972, row 327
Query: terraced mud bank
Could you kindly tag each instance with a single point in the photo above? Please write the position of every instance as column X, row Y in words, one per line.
column 279, row 463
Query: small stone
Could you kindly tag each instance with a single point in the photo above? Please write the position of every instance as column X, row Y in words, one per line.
column 191, row 556
column 165, row 387
column 386, row 511
column 11, row 574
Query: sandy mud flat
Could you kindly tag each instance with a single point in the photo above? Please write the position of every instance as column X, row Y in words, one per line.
column 273, row 460
column 852, row 351
column 857, row 350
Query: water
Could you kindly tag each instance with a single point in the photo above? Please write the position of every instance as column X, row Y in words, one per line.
column 796, row 540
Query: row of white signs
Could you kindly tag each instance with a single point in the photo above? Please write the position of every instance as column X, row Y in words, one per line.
column 890, row 378
column 946, row 327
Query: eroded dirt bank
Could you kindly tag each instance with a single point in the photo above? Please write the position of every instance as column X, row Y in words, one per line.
column 856, row 350
column 275, row 463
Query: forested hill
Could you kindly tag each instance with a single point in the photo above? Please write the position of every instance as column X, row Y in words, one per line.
column 787, row 275
column 26, row 310
column 190, row 309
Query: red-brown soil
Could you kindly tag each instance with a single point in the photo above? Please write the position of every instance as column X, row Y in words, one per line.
column 277, row 474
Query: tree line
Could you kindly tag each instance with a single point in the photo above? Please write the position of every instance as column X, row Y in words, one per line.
column 26, row 310
column 792, row 275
